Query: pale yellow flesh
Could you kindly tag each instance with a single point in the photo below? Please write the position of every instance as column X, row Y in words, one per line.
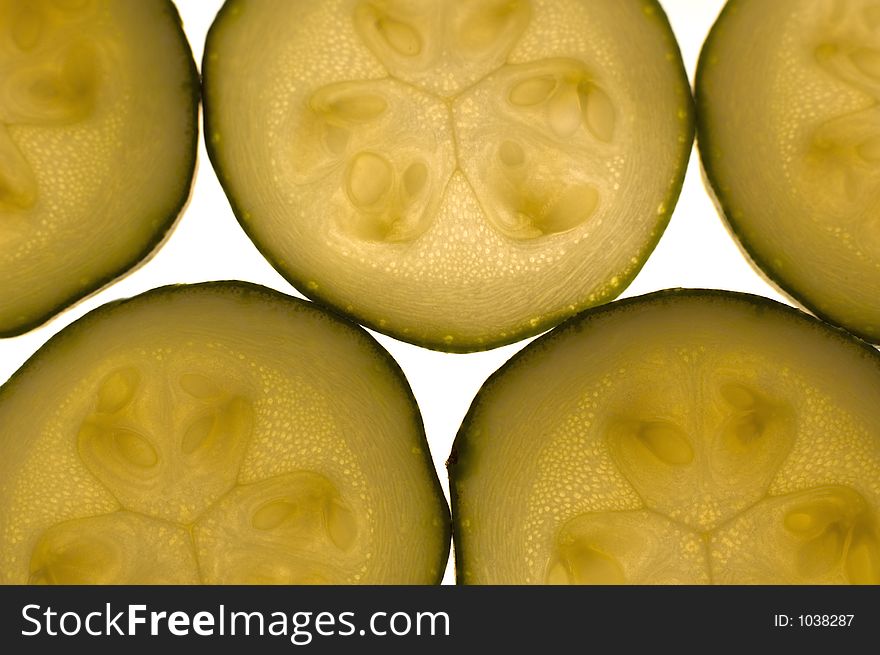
column 454, row 173
column 204, row 436
column 790, row 110
column 96, row 127
column 679, row 441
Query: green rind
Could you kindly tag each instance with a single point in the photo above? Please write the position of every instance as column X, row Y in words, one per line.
column 779, row 281
column 437, row 342
column 236, row 287
column 172, row 214
column 460, row 458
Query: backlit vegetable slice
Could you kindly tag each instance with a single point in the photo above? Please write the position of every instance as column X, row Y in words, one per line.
column 98, row 130
column 681, row 437
column 456, row 173
column 789, row 133
column 218, row 433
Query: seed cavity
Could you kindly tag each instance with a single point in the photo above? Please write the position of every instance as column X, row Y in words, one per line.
column 138, row 453
column 66, row 555
column 835, row 529
column 54, row 92
column 570, row 98
column 117, row 548
column 292, row 528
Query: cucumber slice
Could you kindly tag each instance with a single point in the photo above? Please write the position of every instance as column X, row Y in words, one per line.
column 98, row 132
column 788, row 97
column 685, row 436
column 216, row 433
column 457, row 174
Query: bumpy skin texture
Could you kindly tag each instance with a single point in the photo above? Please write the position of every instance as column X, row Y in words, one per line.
column 655, row 441
column 159, row 215
column 456, row 201
column 216, row 440
column 835, row 280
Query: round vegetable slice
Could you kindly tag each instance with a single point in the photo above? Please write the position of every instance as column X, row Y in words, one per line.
column 98, row 131
column 789, row 135
column 685, row 436
column 457, row 174
column 216, row 433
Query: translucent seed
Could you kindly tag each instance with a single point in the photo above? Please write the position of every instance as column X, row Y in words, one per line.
column 483, row 27
column 590, row 566
column 199, row 386
column 369, row 179
column 557, row 574
column 117, row 390
column 738, row 395
column 336, row 138
column 273, row 514
column 799, row 522
column 63, row 561
column 198, row 434
column 667, row 442
column 598, row 113
column 414, row 178
column 511, row 154
column 863, row 559
column 564, row 111
column 135, row 448
column 532, row 91
column 399, row 36
column 822, row 553
column 574, row 206
column 341, row 525
column 359, row 107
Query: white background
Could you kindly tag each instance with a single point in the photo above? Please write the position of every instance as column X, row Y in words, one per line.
column 695, row 251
